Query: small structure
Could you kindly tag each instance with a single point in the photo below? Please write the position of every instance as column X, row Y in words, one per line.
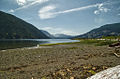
column 38, row 45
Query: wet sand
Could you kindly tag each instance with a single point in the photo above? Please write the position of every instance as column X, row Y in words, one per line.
column 70, row 61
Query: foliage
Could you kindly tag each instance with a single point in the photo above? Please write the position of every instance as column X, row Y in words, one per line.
column 101, row 43
column 111, row 37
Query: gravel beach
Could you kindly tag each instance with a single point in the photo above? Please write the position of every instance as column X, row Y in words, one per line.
column 69, row 61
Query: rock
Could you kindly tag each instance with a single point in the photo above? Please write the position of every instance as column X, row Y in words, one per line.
column 71, row 77
column 111, row 73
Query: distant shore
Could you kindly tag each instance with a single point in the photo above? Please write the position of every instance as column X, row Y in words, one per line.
column 66, row 61
column 30, row 43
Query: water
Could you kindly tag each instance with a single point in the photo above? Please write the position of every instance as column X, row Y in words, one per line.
column 20, row 43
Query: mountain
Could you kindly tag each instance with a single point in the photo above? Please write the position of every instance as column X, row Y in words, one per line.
column 62, row 36
column 48, row 34
column 105, row 30
column 12, row 27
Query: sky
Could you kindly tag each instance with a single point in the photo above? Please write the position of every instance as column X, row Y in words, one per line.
column 71, row 17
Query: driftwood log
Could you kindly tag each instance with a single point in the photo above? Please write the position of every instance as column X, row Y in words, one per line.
column 111, row 73
column 117, row 49
column 115, row 44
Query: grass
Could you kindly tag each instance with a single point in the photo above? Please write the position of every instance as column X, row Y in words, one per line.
column 73, row 48
column 86, row 41
column 101, row 43
column 89, row 41
column 98, row 42
column 59, row 44
column 111, row 37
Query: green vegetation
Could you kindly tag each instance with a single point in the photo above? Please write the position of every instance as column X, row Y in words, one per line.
column 107, row 42
column 59, row 44
column 85, row 41
column 111, row 37
column 89, row 41
column 73, row 48
column 98, row 42
column 12, row 27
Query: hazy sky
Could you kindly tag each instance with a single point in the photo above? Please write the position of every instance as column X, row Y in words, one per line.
column 71, row 17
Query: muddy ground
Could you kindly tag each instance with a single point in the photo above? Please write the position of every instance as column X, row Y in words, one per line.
column 73, row 61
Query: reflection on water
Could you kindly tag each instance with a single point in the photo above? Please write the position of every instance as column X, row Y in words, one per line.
column 19, row 43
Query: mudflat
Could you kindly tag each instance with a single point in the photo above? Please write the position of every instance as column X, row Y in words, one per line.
column 69, row 61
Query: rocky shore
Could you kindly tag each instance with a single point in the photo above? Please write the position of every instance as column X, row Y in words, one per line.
column 69, row 61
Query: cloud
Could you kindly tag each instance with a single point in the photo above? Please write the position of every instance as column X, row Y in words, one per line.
column 48, row 13
column 77, row 9
column 30, row 4
column 118, row 14
column 33, row 3
column 21, row 2
column 96, row 12
column 101, row 9
column 11, row 11
column 54, row 30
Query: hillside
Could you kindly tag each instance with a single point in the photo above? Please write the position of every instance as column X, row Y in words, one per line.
column 12, row 27
column 106, row 30
column 62, row 36
column 48, row 34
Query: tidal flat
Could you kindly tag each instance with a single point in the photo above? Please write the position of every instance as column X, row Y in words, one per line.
column 64, row 61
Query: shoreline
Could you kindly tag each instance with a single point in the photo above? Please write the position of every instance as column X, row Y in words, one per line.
column 64, row 61
column 41, row 46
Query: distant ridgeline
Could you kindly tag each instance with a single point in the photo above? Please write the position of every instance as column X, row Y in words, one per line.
column 103, row 31
column 12, row 27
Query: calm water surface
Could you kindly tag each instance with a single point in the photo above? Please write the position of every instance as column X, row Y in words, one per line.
column 19, row 43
